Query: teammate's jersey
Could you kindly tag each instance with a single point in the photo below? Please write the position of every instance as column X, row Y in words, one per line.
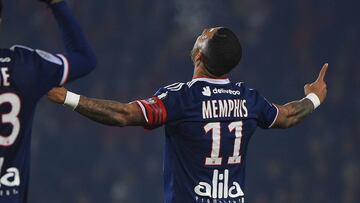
column 208, row 125
column 25, row 76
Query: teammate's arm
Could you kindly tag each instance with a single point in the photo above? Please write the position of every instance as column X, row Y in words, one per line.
column 78, row 52
column 102, row 111
column 294, row 112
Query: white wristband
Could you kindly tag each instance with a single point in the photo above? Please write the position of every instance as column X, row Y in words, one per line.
column 71, row 100
column 314, row 99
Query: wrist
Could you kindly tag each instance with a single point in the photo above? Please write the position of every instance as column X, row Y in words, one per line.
column 314, row 100
column 71, row 100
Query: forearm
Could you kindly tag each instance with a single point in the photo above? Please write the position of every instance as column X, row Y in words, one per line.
column 71, row 32
column 293, row 113
column 103, row 111
column 77, row 48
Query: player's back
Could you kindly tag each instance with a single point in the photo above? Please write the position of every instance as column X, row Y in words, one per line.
column 209, row 125
column 25, row 76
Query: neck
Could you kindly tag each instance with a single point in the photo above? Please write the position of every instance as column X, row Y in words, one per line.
column 201, row 72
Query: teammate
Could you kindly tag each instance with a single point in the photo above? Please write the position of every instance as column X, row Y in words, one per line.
column 208, row 121
column 27, row 74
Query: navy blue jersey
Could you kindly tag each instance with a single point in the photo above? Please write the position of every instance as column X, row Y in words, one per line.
column 25, row 76
column 208, row 125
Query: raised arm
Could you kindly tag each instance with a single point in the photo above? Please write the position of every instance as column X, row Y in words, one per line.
column 294, row 112
column 78, row 53
column 102, row 111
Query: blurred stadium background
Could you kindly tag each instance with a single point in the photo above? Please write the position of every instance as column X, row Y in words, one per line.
column 143, row 45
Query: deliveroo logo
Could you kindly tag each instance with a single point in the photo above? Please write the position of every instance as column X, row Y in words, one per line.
column 206, row 91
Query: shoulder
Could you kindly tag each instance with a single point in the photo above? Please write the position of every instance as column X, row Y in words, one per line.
column 18, row 47
column 26, row 53
column 175, row 86
column 173, row 90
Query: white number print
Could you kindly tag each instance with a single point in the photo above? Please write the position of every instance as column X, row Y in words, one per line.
column 237, row 126
column 215, row 158
column 11, row 117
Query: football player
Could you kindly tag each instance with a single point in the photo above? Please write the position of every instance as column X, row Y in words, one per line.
column 26, row 74
column 208, row 120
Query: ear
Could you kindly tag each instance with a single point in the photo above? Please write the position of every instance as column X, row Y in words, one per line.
column 198, row 57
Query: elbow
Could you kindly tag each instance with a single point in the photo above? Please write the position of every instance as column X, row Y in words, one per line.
column 90, row 61
column 86, row 58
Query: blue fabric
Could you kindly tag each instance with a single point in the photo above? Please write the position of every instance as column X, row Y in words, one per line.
column 77, row 49
column 188, row 143
column 26, row 75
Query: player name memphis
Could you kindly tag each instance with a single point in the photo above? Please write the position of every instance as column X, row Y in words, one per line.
column 224, row 108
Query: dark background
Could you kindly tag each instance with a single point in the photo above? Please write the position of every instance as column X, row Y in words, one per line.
column 145, row 44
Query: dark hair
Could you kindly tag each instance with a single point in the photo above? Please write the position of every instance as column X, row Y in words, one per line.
column 222, row 53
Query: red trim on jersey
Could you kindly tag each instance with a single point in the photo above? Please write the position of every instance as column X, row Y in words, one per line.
column 155, row 112
column 209, row 77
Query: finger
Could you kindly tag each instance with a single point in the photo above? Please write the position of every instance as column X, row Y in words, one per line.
column 323, row 72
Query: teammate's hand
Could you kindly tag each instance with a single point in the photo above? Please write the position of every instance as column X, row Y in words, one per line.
column 57, row 95
column 51, row 1
column 319, row 86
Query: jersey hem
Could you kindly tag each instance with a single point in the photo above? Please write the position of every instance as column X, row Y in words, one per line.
column 66, row 69
column 277, row 114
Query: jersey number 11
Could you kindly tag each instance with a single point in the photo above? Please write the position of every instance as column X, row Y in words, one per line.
column 215, row 159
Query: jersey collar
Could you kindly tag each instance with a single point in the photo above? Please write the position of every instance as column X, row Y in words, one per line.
column 212, row 80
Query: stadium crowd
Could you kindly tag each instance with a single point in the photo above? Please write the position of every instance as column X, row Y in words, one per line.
column 144, row 45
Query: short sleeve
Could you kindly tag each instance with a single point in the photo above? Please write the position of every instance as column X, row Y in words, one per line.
column 165, row 106
column 48, row 69
column 267, row 112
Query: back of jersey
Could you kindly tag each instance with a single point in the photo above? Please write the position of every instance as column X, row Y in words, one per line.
column 25, row 76
column 208, row 125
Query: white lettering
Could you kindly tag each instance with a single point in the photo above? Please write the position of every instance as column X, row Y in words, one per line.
column 215, row 108
column 12, row 176
column 219, row 188
column 244, row 108
column 224, row 108
column 231, row 107
column 5, row 77
column 206, row 109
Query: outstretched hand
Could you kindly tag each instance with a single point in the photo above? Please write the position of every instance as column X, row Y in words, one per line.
column 57, row 95
column 319, row 86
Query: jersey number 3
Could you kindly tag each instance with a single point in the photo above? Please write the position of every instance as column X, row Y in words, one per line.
column 215, row 158
column 11, row 118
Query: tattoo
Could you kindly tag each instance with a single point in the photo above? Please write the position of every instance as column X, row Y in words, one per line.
column 110, row 112
column 294, row 113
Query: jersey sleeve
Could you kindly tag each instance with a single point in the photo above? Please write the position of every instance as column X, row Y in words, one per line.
column 165, row 106
column 48, row 70
column 267, row 112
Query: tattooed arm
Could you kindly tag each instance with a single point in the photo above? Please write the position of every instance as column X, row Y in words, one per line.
column 103, row 111
column 294, row 112
column 111, row 112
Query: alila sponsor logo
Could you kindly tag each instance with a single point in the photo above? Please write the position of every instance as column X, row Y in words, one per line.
column 219, row 189
column 207, row 91
column 10, row 179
